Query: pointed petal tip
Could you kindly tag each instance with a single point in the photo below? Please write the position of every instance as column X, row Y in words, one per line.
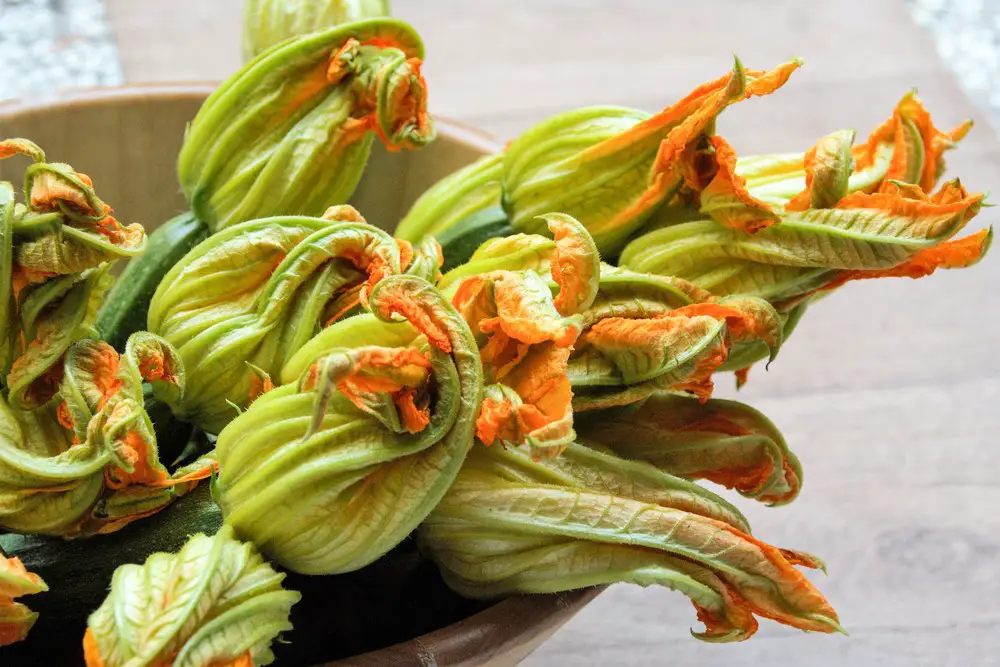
column 734, row 635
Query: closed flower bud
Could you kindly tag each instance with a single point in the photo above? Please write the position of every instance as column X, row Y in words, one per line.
column 331, row 470
column 611, row 167
column 255, row 293
column 290, row 133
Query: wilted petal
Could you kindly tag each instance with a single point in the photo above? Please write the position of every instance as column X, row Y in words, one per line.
column 575, row 265
column 726, row 198
column 611, row 167
column 722, row 441
column 16, row 619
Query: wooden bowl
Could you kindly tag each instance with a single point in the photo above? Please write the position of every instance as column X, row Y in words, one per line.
column 127, row 140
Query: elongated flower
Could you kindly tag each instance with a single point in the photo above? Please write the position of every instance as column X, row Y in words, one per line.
column 471, row 189
column 291, row 132
column 845, row 213
column 215, row 603
column 725, row 442
column 255, row 293
column 330, row 471
column 899, row 232
column 87, row 462
column 907, row 148
column 15, row 618
column 611, row 167
column 526, row 336
column 269, row 22
column 513, row 525
column 55, row 253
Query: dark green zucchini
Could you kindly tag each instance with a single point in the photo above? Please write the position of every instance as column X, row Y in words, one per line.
column 460, row 241
column 125, row 308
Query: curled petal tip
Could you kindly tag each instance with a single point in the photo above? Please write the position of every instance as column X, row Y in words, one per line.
column 736, row 635
column 9, row 147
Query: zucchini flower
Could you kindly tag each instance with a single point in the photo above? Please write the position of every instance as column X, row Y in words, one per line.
column 725, row 442
column 751, row 193
column 290, row 133
column 16, row 619
column 328, row 473
column 270, row 22
column 622, row 359
column 899, row 232
column 526, row 336
column 611, row 167
column 511, row 524
column 255, row 293
column 87, row 463
column 215, row 602
column 618, row 336
column 55, row 250
column 64, row 227
column 845, row 213
column 470, row 190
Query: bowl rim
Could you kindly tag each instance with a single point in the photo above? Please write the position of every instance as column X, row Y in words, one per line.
column 512, row 622
column 142, row 92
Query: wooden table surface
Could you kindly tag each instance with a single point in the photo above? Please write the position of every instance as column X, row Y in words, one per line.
column 889, row 391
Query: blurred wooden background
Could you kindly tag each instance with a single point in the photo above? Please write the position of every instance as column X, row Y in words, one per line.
column 889, row 392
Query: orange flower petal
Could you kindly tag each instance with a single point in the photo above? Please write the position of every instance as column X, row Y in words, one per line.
column 956, row 254
column 911, row 123
column 575, row 264
column 522, row 313
column 727, row 199
column 395, row 300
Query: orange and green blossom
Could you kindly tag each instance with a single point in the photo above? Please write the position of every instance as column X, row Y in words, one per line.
column 215, row 602
column 512, row 524
column 291, row 132
column 375, row 416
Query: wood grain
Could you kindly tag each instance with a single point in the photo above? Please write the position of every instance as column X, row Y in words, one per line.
column 888, row 391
